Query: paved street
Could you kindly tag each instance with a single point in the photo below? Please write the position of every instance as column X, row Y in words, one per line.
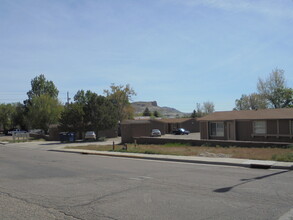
column 39, row 184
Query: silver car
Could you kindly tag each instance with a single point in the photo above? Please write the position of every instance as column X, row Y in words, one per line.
column 156, row 133
column 90, row 135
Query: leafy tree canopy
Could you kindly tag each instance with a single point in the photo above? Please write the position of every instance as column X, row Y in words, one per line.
column 251, row 102
column 100, row 113
column 272, row 93
column 72, row 118
column 6, row 116
column 43, row 111
column 156, row 114
column 121, row 96
column 146, row 112
column 41, row 86
column 204, row 109
column 274, row 90
column 90, row 111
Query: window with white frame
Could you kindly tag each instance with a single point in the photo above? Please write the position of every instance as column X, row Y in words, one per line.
column 259, row 127
column 217, row 129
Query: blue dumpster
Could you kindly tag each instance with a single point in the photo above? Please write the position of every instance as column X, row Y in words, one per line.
column 67, row 136
column 71, row 136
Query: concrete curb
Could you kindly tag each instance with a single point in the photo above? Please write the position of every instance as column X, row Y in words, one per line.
column 189, row 159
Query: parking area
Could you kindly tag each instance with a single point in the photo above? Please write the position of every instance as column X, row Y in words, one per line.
column 191, row 136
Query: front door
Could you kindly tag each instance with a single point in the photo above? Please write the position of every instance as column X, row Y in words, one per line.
column 231, row 131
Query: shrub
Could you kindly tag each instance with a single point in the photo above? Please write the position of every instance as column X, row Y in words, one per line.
column 150, row 152
column 206, row 145
column 287, row 157
column 101, row 138
column 177, row 145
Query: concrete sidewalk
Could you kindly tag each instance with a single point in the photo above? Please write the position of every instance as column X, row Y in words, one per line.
column 264, row 164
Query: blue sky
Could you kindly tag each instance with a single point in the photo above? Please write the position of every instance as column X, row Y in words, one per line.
column 177, row 52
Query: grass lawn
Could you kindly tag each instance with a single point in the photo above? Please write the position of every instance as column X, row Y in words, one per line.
column 278, row 154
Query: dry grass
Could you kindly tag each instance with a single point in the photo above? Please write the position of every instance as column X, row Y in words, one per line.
column 10, row 139
column 183, row 150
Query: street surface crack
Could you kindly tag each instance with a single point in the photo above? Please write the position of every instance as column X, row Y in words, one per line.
column 105, row 196
column 50, row 210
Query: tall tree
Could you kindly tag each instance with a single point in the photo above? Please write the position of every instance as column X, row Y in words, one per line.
column 250, row 102
column 72, row 118
column 100, row 113
column 42, row 107
column 199, row 110
column 193, row 114
column 208, row 107
column 156, row 114
column 41, row 86
column 89, row 111
column 6, row 116
column 120, row 96
column 146, row 112
column 43, row 110
column 204, row 109
column 83, row 97
column 274, row 89
column 18, row 116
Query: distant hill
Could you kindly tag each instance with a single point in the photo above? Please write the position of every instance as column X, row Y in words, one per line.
column 167, row 112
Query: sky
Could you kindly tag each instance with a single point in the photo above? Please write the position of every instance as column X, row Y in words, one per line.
column 175, row 52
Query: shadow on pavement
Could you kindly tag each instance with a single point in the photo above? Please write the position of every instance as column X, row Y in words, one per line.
column 227, row 189
column 76, row 142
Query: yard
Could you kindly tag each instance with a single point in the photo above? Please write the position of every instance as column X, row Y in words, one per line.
column 9, row 139
column 278, row 154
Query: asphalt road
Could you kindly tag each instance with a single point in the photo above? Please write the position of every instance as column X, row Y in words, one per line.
column 39, row 184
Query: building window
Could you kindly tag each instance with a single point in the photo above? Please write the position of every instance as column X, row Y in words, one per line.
column 259, row 127
column 217, row 129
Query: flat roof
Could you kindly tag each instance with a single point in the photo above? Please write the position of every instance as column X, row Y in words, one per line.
column 174, row 120
column 282, row 113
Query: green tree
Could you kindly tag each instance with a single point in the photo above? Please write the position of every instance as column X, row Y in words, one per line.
column 120, row 96
column 42, row 107
column 275, row 91
column 100, row 113
column 146, row 112
column 43, row 110
column 89, row 112
column 199, row 110
column 6, row 116
column 41, row 86
column 250, row 102
column 18, row 116
column 204, row 109
column 12, row 115
column 83, row 97
column 72, row 118
column 156, row 114
column 193, row 114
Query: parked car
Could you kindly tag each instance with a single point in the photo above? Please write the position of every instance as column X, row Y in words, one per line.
column 180, row 131
column 156, row 133
column 90, row 135
column 36, row 131
column 15, row 130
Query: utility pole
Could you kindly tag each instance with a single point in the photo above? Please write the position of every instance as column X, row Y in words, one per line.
column 68, row 99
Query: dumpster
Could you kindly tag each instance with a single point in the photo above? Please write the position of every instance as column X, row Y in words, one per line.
column 71, row 136
column 67, row 136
